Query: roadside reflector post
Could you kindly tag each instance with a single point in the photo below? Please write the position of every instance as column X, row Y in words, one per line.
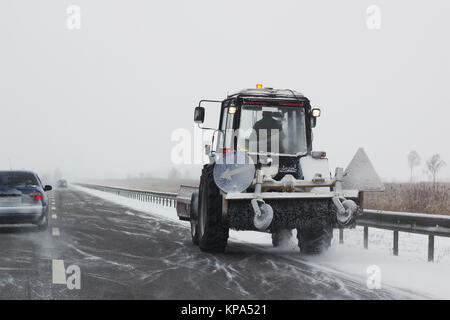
column 341, row 235
column 395, row 242
column 430, row 248
column 366, row 237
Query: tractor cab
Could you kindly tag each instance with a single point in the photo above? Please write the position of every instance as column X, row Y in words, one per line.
column 267, row 124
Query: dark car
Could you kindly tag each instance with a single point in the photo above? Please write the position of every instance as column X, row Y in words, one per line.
column 23, row 199
column 62, row 183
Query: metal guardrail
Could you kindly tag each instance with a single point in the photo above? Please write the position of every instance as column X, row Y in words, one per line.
column 427, row 224
column 167, row 199
column 420, row 223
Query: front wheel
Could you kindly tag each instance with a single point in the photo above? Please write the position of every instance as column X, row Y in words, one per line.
column 194, row 218
column 212, row 230
column 316, row 238
column 281, row 236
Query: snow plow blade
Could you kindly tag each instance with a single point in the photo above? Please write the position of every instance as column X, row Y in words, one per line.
column 184, row 202
column 361, row 175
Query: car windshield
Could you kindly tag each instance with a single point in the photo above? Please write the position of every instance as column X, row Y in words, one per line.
column 16, row 179
column 272, row 129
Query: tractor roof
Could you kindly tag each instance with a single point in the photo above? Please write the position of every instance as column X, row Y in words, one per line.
column 269, row 93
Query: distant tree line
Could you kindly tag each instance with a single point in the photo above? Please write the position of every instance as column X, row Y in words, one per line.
column 433, row 165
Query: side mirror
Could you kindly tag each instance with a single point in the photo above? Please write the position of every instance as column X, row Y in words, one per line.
column 48, row 188
column 199, row 115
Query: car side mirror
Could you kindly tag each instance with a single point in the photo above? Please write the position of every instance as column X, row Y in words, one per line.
column 199, row 115
column 48, row 188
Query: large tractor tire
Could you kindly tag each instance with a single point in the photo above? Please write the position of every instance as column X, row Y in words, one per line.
column 280, row 236
column 212, row 230
column 315, row 239
column 194, row 218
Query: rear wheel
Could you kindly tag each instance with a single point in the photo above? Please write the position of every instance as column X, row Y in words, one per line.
column 194, row 218
column 43, row 224
column 212, row 230
column 316, row 238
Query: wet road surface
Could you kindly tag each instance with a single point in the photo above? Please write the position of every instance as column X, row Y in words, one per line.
column 125, row 254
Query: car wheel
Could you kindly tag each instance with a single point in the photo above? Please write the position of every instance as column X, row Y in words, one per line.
column 43, row 224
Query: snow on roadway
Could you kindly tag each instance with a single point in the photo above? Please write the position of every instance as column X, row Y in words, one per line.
column 409, row 271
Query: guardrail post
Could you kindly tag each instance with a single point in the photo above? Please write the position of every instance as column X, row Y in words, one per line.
column 341, row 235
column 366, row 237
column 430, row 247
column 395, row 242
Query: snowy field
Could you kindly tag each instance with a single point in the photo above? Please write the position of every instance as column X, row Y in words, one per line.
column 409, row 271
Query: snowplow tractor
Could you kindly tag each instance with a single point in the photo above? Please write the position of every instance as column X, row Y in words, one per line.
column 263, row 175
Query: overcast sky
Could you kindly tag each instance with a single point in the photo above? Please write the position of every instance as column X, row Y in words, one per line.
column 103, row 101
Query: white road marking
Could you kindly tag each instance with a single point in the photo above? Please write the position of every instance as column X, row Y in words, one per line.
column 53, row 208
column 55, row 232
column 54, row 216
column 58, row 272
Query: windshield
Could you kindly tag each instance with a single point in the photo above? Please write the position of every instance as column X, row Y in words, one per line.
column 272, row 129
column 17, row 179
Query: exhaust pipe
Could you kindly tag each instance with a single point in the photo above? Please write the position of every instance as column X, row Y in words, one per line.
column 346, row 210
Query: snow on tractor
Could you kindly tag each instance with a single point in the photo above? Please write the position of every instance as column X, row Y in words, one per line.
column 263, row 175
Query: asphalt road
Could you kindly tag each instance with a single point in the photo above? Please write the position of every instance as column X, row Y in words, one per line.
column 125, row 254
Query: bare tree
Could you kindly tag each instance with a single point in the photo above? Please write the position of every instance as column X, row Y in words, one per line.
column 434, row 165
column 413, row 161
